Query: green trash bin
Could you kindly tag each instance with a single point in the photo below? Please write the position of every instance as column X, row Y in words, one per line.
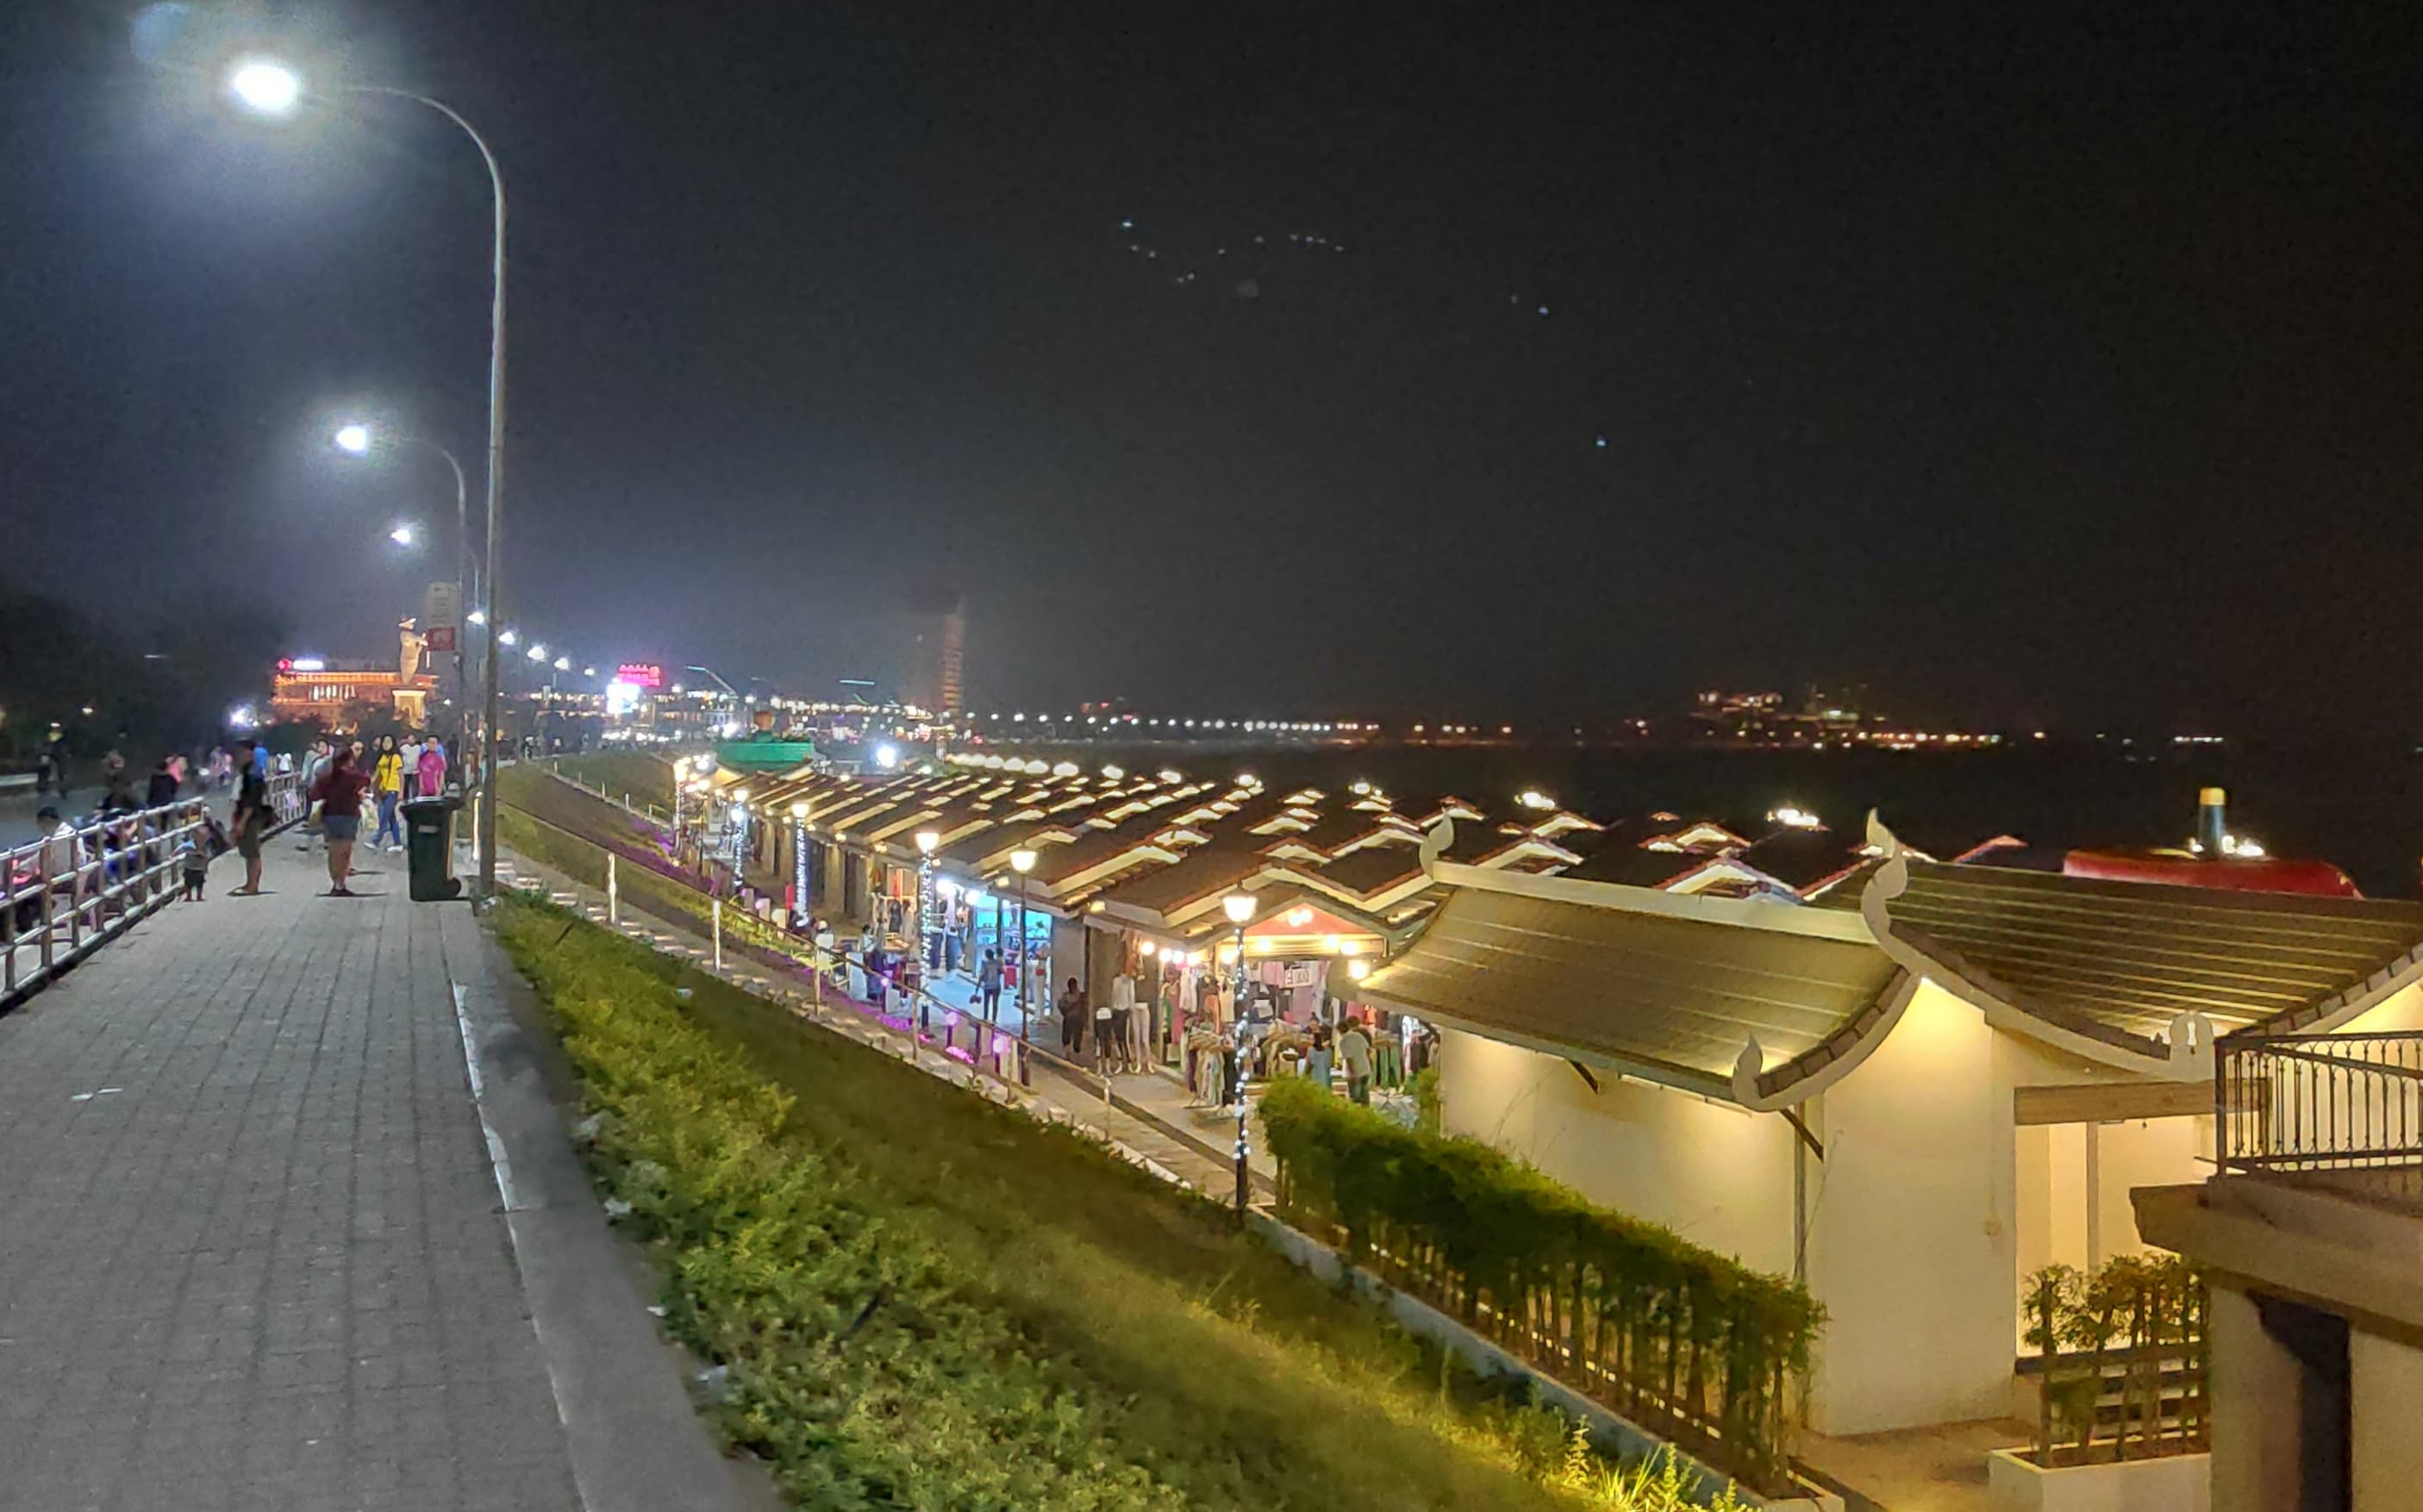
column 429, row 844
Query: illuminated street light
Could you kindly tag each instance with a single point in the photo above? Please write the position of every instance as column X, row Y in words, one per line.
column 405, row 534
column 563, row 664
column 509, row 636
column 266, row 86
column 354, row 438
column 1021, row 862
column 538, row 652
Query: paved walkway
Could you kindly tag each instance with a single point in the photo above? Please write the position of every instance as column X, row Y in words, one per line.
column 252, row 1250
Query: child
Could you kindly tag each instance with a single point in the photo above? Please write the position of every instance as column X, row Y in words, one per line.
column 198, row 866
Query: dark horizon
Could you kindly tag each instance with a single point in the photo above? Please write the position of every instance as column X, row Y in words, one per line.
column 2030, row 369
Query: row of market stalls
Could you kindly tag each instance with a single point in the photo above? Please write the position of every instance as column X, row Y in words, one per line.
column 1157, row 889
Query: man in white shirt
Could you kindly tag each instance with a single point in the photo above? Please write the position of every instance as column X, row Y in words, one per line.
column 1355, row 1048
column 411, row 766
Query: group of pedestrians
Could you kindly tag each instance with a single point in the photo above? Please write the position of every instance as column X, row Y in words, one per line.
column 337, row 777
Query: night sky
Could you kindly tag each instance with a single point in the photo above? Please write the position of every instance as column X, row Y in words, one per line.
column 2025, row 363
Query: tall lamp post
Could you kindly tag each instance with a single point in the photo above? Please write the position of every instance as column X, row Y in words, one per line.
column 928, row 840
column 1240, row 908
column 268, row 88
column 357, row 439
column 1022, row 862
column 800, row 866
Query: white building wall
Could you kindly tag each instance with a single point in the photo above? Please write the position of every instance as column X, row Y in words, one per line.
column 1716, row 1175
column 1912, row 1245
column 2385, row 1454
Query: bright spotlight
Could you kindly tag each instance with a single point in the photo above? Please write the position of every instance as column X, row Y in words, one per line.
column 354, row 437
column 265, row 86
column 404, row 533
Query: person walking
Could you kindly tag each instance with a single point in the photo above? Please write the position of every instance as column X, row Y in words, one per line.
column 989, row 985
column 411, row 755
column 339, row 796
column 387, row 790
column 1355, row 1048
column 251, row 821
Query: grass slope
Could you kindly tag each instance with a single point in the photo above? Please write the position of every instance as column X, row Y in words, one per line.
column 929, row 1301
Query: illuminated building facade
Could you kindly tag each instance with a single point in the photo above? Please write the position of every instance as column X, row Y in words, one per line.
column 333, row 692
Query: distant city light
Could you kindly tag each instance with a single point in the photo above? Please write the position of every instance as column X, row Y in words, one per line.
column 1795, row 819
column 1530, row 797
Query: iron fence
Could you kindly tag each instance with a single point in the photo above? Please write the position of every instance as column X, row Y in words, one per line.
column 2346, row 1110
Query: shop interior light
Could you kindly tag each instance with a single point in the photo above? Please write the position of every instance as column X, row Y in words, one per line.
column 1358, row 968
column 1238, row 906
column 800, row 810
column 1147, row 949
column 1022, row 862
column 928, row 840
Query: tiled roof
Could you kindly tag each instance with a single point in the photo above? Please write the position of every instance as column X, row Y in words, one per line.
column 1675, row 999
column 2120, row 961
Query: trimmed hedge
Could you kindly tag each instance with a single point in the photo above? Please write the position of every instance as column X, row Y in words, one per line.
column 1680, row 1338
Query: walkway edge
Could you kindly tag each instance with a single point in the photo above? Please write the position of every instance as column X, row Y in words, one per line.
column 637, row 1442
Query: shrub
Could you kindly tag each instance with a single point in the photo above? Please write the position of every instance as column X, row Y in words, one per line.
column 926, row 1300
column 2124, row 1343
column 1665, row 1331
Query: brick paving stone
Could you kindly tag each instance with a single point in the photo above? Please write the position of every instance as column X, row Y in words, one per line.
column 262, row 1264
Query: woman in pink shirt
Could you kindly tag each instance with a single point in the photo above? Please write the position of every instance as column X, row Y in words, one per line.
column 433, row 769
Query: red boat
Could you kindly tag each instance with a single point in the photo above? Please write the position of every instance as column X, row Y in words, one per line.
column 2211, row 864
column 2186, row 869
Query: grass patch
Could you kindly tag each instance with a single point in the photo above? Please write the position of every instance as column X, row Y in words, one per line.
column 639, row 775
column 927, row 1301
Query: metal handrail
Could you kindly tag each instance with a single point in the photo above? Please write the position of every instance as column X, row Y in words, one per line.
column 2319, row 1103
column 64, row 895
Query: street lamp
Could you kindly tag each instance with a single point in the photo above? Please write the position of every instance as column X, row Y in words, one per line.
column 357, row 439
column 1240, row 908
column 1022, row 862
column 928, row 842
column 405, row 534
column 266, row 87
column 799, row 867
